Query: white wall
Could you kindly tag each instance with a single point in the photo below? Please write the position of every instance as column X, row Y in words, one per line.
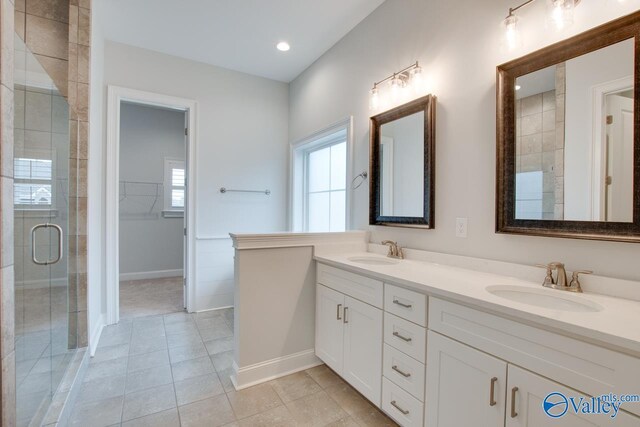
column 151, row 244
column 583, row 74
column 458, row 44
column 242, row 143
column 274, row 318
column 96, row 279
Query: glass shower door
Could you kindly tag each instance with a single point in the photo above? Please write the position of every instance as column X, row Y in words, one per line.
column 45, row 331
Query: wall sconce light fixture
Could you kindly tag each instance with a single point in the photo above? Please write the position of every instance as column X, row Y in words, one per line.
column 559, row 12
column 396, row 87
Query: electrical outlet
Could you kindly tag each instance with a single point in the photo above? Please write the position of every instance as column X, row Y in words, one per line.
column 461, row 227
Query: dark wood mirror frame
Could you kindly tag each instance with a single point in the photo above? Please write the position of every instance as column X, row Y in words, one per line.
column 605, row 35
column 427, row 104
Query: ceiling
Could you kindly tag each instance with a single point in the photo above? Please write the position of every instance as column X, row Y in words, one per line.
column 237, row 34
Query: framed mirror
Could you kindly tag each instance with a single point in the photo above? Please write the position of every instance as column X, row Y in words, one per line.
column 568, row 137
column 402, row 165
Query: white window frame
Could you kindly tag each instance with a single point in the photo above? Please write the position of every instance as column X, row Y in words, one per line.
column 298, row 167
column 171, row 211
column 39, row 155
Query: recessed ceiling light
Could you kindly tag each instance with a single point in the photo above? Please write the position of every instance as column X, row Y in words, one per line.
column 283, row 46
column 517, row 87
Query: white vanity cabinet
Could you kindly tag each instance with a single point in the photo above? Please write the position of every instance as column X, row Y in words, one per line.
column 464, row 385
column 405, row 335
column 426, row 361
column 330, row 327
column 525, row 393
column 348, row 330
column 527, row 355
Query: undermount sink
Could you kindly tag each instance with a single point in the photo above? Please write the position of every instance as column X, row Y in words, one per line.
column 373, row 260
column 545, row 298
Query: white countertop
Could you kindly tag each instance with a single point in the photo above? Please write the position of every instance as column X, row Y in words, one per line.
column 617, row 325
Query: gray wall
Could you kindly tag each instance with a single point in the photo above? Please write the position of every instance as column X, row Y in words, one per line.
column 148, row 241
column 242, row 124
column 458, row 44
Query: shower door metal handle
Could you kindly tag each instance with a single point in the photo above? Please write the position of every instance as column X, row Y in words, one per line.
column 33, row 244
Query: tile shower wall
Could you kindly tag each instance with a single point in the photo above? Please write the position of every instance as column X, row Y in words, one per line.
column 559, row 164
column 78, row 83
column 540, row 146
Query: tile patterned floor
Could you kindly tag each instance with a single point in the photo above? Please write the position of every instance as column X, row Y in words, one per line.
column 150, row 297
column 173, row 370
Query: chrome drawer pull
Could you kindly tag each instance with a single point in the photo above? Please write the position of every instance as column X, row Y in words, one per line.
column 395, row 301
column 338, row 312
column 395, row 405
column 404, row 374
column 405, row 339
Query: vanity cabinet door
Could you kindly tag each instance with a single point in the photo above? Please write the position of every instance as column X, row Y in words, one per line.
column 363, row 348
column 330, row 327
column 465, row 387
column 527, row 391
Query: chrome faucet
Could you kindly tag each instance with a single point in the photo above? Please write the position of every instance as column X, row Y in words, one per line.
column 560, row 282
column 395, row 251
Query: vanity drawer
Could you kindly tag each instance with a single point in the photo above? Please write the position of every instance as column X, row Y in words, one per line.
column 404, row 371
column 586, row 367
column 359, row 287
column 409, row 305
column 405, row 409
column 407, row 337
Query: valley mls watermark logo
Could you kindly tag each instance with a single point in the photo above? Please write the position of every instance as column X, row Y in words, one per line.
column 556, row 404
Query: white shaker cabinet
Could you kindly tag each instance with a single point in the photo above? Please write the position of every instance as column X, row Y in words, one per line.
column 465, row 387
column 329, row 327
column 526, row 392
column 362, row 366
column 349, row 340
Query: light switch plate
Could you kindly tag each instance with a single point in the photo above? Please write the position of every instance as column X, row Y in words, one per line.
column 461, row 227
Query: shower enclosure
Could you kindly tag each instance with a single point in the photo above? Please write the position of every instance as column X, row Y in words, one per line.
column 45, row 323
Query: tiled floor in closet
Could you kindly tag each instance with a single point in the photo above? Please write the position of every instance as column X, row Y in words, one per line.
column 172, row 370
column 149, row 297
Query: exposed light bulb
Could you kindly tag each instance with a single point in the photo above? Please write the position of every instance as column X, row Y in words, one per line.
column 518, row 87
column 417, row 80
column 374, row 98
column 560, row 13
column 396, row 85
column 512, row 34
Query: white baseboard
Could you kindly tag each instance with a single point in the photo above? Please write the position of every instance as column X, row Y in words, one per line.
column 143, row 275
column 215, row 309
column 271, row 369
column 95, row 335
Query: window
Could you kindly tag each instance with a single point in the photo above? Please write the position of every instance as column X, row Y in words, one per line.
column 33, row 181
column 325, row 192
column 174, row 184
column 319, row 181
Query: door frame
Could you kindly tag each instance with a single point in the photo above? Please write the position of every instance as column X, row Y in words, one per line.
column 598, row 157
column 115, row 96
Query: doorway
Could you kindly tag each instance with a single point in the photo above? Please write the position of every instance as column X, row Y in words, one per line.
column 150, row 203
column 152, row 194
